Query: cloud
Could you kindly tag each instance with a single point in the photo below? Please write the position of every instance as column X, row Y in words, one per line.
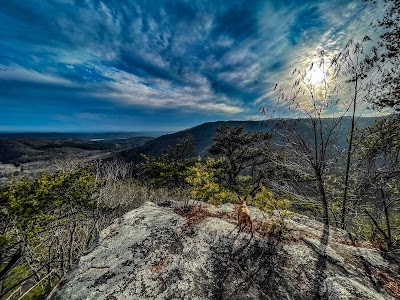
column 218, row 60
column 131, row 90
column 333, row 26
column 18, row 73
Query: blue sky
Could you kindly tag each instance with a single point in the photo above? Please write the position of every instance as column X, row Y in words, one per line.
column 90, row 65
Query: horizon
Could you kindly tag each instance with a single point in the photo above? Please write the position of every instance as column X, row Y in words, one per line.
column 165, row 132
column 83, row 132
column 95, row 66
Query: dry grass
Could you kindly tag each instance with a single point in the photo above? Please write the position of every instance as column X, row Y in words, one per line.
column 197, row 213
column 194, row 214
column 361, row 243
column 389, row 282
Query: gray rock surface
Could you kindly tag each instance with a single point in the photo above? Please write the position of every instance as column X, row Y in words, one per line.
column 153, row 252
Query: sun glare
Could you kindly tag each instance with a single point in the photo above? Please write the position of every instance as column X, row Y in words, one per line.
column 315, row 76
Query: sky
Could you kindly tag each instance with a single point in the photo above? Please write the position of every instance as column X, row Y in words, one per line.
column 125, row 65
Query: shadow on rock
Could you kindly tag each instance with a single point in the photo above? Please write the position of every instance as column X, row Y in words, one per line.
column 247, row 268
column 321, row 265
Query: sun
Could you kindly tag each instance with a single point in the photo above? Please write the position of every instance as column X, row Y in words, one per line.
column 315, row 76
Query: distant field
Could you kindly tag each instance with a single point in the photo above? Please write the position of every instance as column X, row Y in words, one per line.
column 31, row 153
column 80, row 135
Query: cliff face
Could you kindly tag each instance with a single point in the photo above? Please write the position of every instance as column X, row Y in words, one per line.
column 163, row 252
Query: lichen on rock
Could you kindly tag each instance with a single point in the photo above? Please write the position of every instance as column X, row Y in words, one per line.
column 153, row 252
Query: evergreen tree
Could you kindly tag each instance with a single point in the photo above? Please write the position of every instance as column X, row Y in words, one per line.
column 169, row 169
column 245, row 153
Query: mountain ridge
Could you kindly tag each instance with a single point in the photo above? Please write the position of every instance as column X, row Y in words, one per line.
column 203, row 134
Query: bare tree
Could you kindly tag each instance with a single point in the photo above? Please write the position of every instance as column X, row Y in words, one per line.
column 354, row 70
column 378, row 177
column 309, row 152
column 386, row 93
column 332, row 89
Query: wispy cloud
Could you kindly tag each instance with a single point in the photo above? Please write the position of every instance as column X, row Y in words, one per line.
column 212, row 60
column 18, row 73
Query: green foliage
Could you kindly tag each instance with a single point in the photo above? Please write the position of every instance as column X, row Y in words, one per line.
column 242, row 151
column 202, row 178
column 363, row 227
column 378, row 175
column 170, row 169
column 31, row 208
column 14, row 276
column 39, row 292
column 36, row 201
column 183, row 150
column 311, row 207
column 163, row 171
column 23, row 270
column 265, row 201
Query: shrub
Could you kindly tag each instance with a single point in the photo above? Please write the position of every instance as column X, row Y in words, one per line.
column 279, row 208
column 45, row 222
column 202, row 178
column 164, row 171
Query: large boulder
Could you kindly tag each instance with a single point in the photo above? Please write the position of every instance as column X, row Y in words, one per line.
column 159, row 252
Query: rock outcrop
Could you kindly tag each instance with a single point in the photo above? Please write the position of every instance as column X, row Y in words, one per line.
column 166, row 252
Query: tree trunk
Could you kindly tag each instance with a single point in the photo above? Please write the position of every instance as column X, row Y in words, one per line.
column 321, row 189
column 71, row 245
column 346, row 179
column 387, row 219
column 14, row 259
column 385, row 236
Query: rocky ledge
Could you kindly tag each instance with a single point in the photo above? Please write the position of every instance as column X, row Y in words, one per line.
column 170, row 252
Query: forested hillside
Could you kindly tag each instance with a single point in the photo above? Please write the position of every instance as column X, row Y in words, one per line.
column 202, row 135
